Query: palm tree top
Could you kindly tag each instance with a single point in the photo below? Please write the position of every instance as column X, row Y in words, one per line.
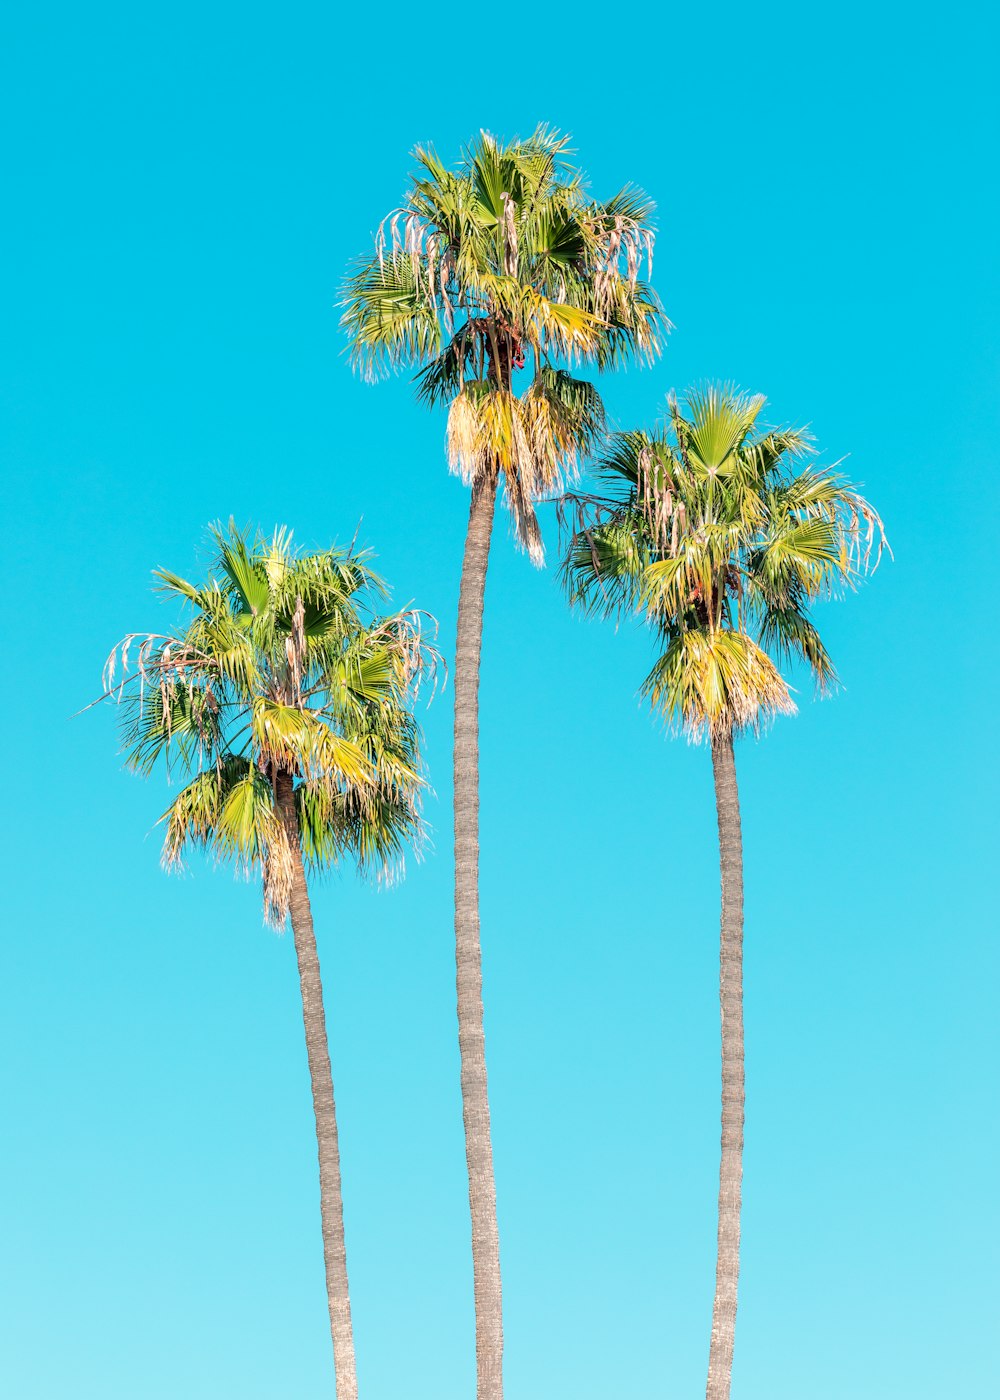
column 722, row 534
column 282, row 667
column 505, row 264
column 508, row 242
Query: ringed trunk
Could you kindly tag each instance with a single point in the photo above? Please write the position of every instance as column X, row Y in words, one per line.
column 720, row 1361
column 468, row 957
column 328, row 1147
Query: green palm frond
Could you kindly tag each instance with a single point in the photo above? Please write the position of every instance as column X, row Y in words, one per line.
column 178, row 721
column 720, row 421
column 391, row 314
column 376, row 835
column 812, row 552
column 299, row 740
column 173, row 583
column 789, row 634
column 228, row 808
column 462, row 360
column 773, row 451
column 630, row 204
column 620, row 461
column 604, row 565
column 247, row 576
column 636, row 332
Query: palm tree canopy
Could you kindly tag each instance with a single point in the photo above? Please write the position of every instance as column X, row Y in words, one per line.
column 722, row 535
column 503, row 261
column 282, row 667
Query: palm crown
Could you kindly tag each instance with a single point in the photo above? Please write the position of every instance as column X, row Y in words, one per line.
column 279, row 672
column 503, row 261
column 713, row 532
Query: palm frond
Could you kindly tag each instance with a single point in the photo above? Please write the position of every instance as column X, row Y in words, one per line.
column 789, row 634
column 390, row 313
column 721, row 419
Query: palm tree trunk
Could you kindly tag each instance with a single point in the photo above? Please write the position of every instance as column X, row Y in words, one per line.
column 468, row 958
column 330, row 1194
column 727, row 1268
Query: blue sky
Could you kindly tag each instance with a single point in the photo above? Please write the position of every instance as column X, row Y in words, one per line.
column 184, row 189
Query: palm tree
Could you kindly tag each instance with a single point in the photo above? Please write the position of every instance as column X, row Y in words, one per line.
column 498, row 264
column 286, row 706
column 723, row 543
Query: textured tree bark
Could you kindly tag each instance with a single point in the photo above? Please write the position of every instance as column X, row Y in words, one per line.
column 727, row 1268
column 468, row 958
column 330, row 1194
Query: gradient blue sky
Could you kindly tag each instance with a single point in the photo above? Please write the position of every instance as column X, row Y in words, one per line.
column 184, row 186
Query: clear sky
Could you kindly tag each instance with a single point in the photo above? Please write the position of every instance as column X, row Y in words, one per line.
column 184, row 186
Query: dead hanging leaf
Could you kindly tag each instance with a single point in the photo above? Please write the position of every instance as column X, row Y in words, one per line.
column 510, row 236
column 447, row 268
column 277, row 870
column 633, row 263
column 656, row 501
column 431, row 285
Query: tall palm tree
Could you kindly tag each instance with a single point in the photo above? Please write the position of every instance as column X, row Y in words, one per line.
column 719, row 535
column 502, row 264
column 286, row 705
